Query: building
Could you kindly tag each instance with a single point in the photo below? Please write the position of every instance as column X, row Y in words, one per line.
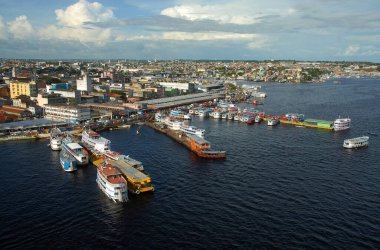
column 84, row 84
column 50, row 98
column 73, row 96
column 187, row 87
column 71, row 113
column 58, row 86
column 23, row 87
column 21, row 113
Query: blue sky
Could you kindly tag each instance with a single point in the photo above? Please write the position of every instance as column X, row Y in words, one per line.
column 199, row 29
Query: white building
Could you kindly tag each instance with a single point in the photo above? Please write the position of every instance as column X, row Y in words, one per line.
column 84, row 84
column 68, row 112
column 75, row 95
column 177, row 85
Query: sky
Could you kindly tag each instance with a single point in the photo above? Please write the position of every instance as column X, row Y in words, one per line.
column 332, row 30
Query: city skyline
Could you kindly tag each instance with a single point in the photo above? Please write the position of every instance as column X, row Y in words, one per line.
column 176, row 29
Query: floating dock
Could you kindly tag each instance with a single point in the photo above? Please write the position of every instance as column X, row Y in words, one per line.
column 196, row 144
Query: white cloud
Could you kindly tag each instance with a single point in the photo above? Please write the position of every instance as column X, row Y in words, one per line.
column 196, row 36
column 242, row 12
column 77, row 22
column 2, row 29
column 21, row 28
column 87, row 36
column 351, row 50
column 82, row 12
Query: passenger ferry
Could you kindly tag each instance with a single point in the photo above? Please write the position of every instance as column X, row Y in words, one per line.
column 76, row 150
column 112, row 183
column 342, row 124
column 192, row 130
column 67, row 161
column 357, row 142
column 56, row 139
column 202, row 148
column 94, row 140
column 172, row 123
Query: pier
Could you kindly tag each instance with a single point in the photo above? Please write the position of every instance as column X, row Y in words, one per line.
column 182, row 138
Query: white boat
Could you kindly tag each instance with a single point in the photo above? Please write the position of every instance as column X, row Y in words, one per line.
column 224, row 115
column 67, row 161
column 192, row 130
column 187, row 116
column 217, row 115
column 56, row 139
column 172, row 123
column 230, row 116
column 258, row 119
column 272, row 122
column 112, row 183
column 76, row 150
column 357, row 142
column 342, row 124
column 94, row 140
column 236, row 118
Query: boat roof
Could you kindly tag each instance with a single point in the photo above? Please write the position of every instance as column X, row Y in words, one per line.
column 357, row 139
column 128, row 171
column 316, row 120
column 74, row 145
column 198, row 139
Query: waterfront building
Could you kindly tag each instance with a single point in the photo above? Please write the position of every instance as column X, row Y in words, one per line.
column 187, row 87
column 71, row 113
column 23, row 87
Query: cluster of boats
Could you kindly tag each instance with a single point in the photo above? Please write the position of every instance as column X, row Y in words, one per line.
column 176, row 124
column 116, row 173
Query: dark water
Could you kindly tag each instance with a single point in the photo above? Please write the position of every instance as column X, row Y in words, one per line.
column 281, row 187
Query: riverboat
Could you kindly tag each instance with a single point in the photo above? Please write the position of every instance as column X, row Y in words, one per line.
column 94, row 140
column 192, row 130
column 272, row 122
column 357, row 142
column 68, row 162
column 56, row 139
column 202, row 148
column 76, row 150
column 112, row 182
column 342, row 124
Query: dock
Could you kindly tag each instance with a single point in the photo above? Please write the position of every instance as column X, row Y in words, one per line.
column 183, row 139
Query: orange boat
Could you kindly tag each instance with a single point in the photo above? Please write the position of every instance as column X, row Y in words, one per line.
column 202, row 148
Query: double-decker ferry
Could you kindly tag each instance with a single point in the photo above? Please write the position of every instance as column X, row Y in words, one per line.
column 342, row 124
column 112, row 182
column 192, row 130
column 56, row 139
column 92, row 139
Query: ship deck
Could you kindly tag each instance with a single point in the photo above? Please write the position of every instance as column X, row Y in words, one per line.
column 130, row 172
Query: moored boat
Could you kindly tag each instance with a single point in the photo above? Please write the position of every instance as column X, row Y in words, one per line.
column 202, row 148
column 192, row 130
column 76, row 150
column 357, row 142
column 112, row 182
column 56, row 139
column 67, row 161
column 273, row 122
column 94, row 140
